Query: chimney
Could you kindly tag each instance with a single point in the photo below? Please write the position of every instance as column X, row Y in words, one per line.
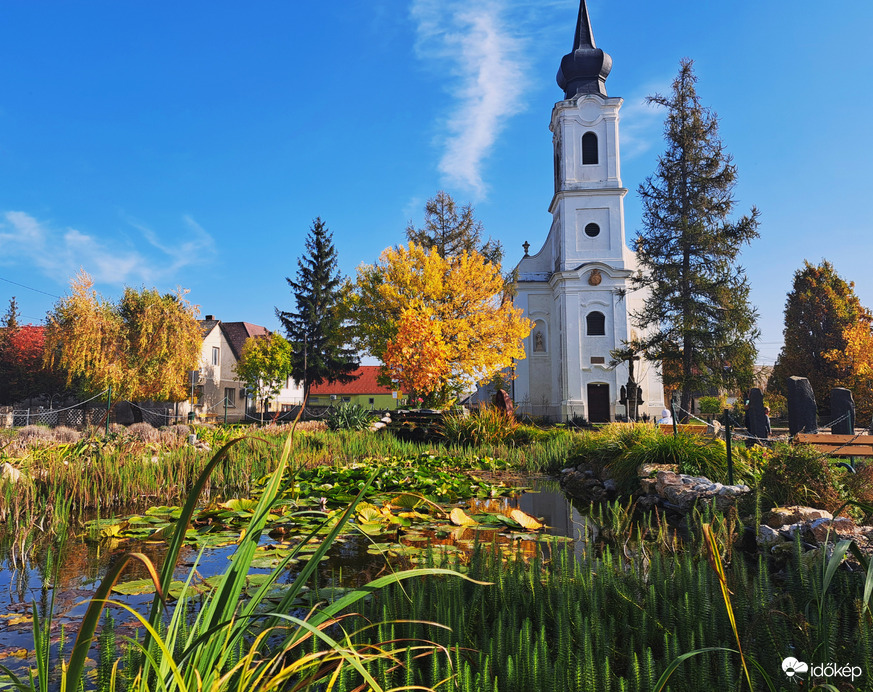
column 210, row 317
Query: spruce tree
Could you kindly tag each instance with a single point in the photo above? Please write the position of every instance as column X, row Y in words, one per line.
column 696, row 318
column 9, row 327
column 315, row 330
column 452, row 230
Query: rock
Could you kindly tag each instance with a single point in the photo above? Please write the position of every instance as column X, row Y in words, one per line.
column 756, row 420
column 9, row 473
column 768, row 537
column 666, row 479
column 780, row 516
column 648, row 486
column 842, row 411
column 579, row 486
column 801, row 406
column 646, row 470
column 832, row 530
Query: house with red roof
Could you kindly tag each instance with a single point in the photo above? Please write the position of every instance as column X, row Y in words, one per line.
column 364, row 390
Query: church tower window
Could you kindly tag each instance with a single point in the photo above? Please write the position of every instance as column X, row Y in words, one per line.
column 592, row 230
column 596, row 324
column 589, row 148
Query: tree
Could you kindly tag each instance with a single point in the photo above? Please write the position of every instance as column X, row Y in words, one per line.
column 826, row 332
column 452, row 231
column 8, row 330
column 696, row 309
column 143, row 346
column 265, row 365
column 450, row 306
column 316, row 330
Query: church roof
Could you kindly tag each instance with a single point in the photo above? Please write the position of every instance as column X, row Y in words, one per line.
column 584, row 70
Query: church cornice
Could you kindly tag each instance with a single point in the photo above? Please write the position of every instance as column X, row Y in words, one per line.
column 579, row 272
column 585, row 192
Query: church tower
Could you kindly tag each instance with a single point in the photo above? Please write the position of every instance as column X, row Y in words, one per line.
column 575, row 289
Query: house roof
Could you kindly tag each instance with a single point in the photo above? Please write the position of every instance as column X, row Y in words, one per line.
column 236, row 334
column 365, row 383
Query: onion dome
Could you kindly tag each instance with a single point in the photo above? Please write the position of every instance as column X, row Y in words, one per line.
column 584, row 71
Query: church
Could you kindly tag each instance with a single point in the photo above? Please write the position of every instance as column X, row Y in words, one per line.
column 575, row 289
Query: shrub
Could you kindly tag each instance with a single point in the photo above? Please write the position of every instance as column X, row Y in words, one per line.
column 66, row 435
column 35, row 433
column 859, row 485
column 486, row 426
column 693, row 454
column 800, row 475
column 712, row 405
column 348, row 416
column 144, row 432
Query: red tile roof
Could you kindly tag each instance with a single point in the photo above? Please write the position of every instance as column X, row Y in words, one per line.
column 364, row 384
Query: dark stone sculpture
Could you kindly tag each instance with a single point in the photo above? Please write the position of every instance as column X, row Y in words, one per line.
column 842, row 412
column 756, row 421
column 801, row 406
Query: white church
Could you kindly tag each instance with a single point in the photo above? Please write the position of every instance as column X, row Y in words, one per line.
column 576, row 289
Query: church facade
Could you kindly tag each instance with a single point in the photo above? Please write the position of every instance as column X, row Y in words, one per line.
column 575, row 289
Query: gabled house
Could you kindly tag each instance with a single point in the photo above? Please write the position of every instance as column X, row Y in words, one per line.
column 218, row 382
column 364, row 390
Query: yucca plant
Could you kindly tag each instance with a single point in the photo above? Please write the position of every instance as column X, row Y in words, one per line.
column 348, row 416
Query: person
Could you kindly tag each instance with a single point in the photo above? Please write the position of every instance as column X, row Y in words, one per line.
column 666, row 417
column 767, row 420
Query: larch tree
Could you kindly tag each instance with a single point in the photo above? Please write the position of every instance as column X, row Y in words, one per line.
column 696, row 318
column 143, row 346
column 452, row 230
column 264, row 365
column 827, row 332
column 316, row 330
column 437, row 323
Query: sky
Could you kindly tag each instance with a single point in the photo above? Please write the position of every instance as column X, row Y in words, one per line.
column 191, row 144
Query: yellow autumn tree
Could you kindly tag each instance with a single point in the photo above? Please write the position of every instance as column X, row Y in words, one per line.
column 413, row 298
column 855, row 364
column 417, row 356
column 142, row 346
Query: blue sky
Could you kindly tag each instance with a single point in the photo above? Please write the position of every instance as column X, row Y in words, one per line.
column 192, row 143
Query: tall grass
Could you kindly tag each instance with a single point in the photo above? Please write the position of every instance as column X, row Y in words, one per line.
column 615, row 619
column 234, row 642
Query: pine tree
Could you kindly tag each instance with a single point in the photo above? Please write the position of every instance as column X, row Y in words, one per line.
column 452, row 231
column 8, row 329
column 819, row 311
column 315, row 330
column 696, row 296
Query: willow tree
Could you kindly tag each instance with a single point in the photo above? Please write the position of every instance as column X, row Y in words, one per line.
column 142, row 346
column 696, row 318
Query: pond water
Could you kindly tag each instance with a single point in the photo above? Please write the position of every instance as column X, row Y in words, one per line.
column 352, row 561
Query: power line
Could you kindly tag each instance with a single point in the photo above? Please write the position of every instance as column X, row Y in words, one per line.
column 29, row 288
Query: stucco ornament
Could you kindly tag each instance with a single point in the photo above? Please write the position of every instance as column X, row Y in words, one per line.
column 595, row 277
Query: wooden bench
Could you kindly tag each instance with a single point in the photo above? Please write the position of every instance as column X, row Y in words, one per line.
column 690, row 428
column 838, row 445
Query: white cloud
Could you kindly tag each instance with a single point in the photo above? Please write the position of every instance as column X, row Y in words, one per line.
column 487, row 79
column 642, row 124
column 59, row 254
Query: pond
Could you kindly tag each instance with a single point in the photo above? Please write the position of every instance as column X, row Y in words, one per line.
column 354, row 560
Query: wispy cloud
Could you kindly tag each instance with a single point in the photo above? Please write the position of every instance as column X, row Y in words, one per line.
column 487, row 70
column 60, row 253
column 642, row 125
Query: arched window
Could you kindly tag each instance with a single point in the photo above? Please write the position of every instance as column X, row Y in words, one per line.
column 592, row 230
column 596, row 323
column 589, row 148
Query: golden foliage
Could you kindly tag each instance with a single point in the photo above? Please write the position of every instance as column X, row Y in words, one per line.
column 142, row 347
column 447, row 308
column 855, row 363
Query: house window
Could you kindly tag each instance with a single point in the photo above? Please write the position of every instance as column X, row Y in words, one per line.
column 372, row 402
column 216, row 355
column 589, row 148
column 347, row 399
column 596, row 323
column 230, row 396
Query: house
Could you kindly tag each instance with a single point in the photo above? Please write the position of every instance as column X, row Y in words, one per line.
column 364, row 390
column 218, row 384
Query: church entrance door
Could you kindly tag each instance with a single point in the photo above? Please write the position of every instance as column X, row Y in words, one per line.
column 598, row 403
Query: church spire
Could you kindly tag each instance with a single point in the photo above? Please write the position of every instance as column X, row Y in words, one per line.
column 585, row 69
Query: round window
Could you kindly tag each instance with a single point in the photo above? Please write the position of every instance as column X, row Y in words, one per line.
column 592, row 230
